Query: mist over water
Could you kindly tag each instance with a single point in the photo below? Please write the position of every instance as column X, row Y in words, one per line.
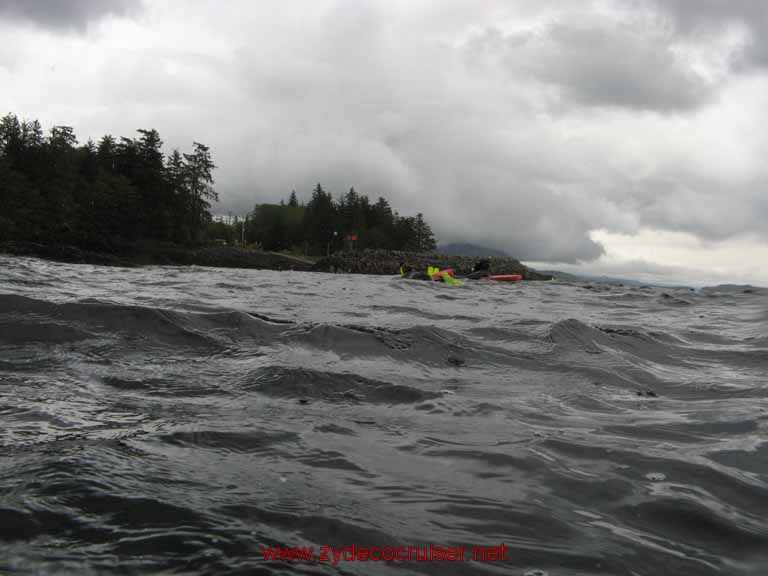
column 176, row 420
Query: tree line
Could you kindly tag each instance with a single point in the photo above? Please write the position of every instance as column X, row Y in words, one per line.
column 325, row 224
column 117, row 194
column 106, row 196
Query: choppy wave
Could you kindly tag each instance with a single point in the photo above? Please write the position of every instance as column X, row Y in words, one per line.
column 176, row 420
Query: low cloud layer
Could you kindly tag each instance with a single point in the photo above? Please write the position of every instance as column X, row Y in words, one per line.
column 520, row 125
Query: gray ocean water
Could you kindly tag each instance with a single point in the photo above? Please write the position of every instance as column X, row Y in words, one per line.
column 177, row 420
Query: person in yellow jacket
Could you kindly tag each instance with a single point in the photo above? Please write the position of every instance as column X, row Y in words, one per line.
column 433, row 273
column 448, row 279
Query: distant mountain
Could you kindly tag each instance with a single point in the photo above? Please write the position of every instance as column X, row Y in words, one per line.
column 567, row 277
column 472, row 250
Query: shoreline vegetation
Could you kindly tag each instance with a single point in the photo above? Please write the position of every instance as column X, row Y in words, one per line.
column 374, row 262
column 123, row 202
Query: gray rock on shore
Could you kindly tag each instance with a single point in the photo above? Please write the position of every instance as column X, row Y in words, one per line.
column 387, row 262
column 161, row 254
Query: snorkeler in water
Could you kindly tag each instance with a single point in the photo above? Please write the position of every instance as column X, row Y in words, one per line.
column 432, row 273
column 411, row 274
column 481, row 269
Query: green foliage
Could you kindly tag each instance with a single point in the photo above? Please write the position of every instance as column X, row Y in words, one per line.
column 123, row 192
column 325, row 225
column 275, row 227
column 222, row 232
column 106, row 196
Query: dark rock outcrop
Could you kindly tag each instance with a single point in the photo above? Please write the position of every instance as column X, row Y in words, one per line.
column 161, row 254
column 388, row 262
column 385, row 262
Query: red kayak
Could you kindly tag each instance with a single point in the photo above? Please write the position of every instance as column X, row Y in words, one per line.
column 505, row 278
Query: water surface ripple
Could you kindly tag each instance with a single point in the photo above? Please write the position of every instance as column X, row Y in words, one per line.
column 176, row 420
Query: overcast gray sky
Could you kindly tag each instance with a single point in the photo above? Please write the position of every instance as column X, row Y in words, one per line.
column 624, row 135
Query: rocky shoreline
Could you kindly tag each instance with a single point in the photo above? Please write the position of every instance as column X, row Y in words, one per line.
column 388, row 262
column 162, row 255
column 381, row 262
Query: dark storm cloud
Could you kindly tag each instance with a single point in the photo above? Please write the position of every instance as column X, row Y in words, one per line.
column 699, row 207
column 613, row 66
column 690, row 15
column 702, row 17
column 525, row 126
column 64, row 14
column 599, row 63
